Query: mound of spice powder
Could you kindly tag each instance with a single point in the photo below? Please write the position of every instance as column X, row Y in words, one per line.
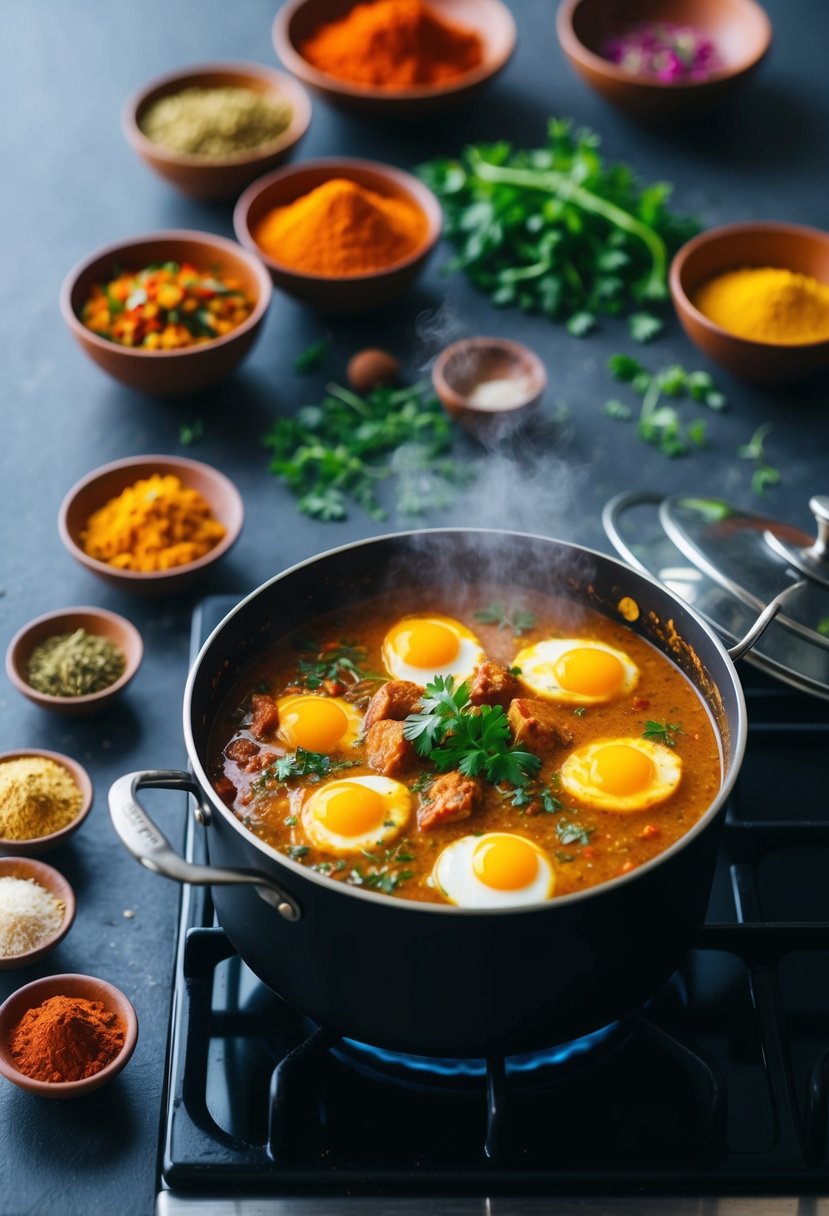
column 216, row 123
column 74, row 664
column 29, row 915
column 66, row 1038
column 393, row 44
column 38, row 796
column 342, row 229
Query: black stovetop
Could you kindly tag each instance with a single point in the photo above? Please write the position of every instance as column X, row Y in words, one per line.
column 719, row 1085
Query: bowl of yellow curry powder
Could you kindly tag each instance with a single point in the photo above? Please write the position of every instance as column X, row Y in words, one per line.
column 44, row 797
column 755, row 299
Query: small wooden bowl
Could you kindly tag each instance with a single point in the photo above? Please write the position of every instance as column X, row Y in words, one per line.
column 740, row 30
column 167, row 373
column 107, row 482
column 353, row 293
column 95, row 621
column 461, row 367
column 56, row 885
column 43, row 844
column 732, row 247
column 198, row 176
column 88, row 988
column 491, row 20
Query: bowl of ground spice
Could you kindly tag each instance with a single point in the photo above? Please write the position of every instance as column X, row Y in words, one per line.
column 342, row 235
column 37, row 908
column 399, row 58
column 74, row 661
column 65, row 1035
column 44, row 798
column 755, row 299
column 212, row 128
column 151, row 524
column 168, row 313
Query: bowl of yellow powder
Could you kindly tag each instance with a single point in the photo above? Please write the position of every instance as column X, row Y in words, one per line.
column 340, row 234
column 44, row 797
column 755, row 299
column 151, row 524
column 213, row 128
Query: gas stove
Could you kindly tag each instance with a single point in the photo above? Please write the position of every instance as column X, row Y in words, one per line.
column 718, row 1087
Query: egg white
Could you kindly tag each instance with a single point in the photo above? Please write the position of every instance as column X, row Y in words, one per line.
column 455, row 877
column 537, row 663
column 397, row 801
column 576, row 780
column 287, row 709
column 463, row 666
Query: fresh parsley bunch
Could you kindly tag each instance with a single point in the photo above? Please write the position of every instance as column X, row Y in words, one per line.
column 558, row 230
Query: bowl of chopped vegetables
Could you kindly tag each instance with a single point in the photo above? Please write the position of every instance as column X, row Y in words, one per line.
column 167, row 313
column 151, row 524
column 663, row 60
column 211, row 129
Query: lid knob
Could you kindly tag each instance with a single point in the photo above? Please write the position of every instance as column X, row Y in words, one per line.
column 811, row 560
column 819, row 506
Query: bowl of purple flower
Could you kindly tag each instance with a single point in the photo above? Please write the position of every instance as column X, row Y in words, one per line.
column 663, row 61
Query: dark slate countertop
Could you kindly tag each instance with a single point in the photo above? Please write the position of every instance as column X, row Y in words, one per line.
column 70, row 184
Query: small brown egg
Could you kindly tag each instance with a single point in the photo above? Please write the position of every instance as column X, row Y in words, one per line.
column 371, row 367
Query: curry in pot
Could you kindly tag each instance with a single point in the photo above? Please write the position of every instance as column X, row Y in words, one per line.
column 495, row 754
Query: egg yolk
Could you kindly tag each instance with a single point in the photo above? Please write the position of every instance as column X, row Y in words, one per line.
column 427, row 644
column 314, row 723
column 505, row 863
column 620, row 769
column 351, row 810
column 594, row 673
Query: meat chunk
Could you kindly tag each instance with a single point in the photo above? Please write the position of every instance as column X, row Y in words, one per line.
column 259, row 763
column 386, row 748
column 535, row 726
column 450, row 797
column 226, row 790
column 395, row 700
column 242, row 750
column 493, row 685
column 265, row 715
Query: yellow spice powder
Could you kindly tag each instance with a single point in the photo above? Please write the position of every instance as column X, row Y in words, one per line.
column 767, row 304
column 38, row 796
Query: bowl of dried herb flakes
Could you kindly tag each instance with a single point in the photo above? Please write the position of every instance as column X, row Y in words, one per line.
column 74, row 661
column 44, row 797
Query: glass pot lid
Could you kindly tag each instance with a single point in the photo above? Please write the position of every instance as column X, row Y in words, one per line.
column 729, row 565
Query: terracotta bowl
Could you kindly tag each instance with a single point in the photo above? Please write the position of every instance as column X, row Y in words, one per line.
column 296, row 20
column 740, row 30
column 107, row 482
column 461, row 367
column 34, row 994
column 43, row 844
column 729, row 248
column 167, row 373
column 197, row 176
column 55, row 884
column 95, row 621
column 353, row 293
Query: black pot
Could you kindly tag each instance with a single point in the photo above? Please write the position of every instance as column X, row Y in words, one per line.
column 428, row 978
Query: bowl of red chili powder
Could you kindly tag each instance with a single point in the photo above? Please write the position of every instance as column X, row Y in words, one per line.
column 401, row 58
column 65, row 1035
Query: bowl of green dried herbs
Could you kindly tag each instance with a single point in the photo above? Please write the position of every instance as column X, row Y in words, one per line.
column 74, row 661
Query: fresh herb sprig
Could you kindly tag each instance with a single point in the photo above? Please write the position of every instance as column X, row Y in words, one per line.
column 660, row 424
column 764, row 473
column 663, row 732
column 514, row 619
column 338, row 452
column 303, row 763
column 478, row 743
column 343, row 661
column 558, row 230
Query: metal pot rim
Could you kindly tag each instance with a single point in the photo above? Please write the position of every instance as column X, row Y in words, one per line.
column 737, row 741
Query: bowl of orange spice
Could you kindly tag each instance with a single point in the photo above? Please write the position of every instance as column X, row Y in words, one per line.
column 340, row 234
column 151, row 524
column 400, row 58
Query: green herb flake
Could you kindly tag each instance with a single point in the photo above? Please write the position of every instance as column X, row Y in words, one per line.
column 312, row 358
column 662, row 732
column 191, row 432
column 516, row 620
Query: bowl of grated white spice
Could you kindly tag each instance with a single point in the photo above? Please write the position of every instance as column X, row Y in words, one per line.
column 37, row 908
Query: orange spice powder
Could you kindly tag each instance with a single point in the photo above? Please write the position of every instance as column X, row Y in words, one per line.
column 393, row 44
column 341, row 229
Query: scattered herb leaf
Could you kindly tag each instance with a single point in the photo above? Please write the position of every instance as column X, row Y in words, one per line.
column 312, row 357
column 569, row 832
column 191, row 432
column 661, row 425
column 515, row 620
column 663, row 732
column 644, row 326
column 764, row 474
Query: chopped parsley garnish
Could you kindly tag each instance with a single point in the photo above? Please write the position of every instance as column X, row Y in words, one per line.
column 291, row 821
column 477, row 743
column 660, row 424
column 298, row 851
column 573, row 833
column 525, row 794
column 515, row 620
column 343, row 662
column 382, row 879
column 302, row 763
column 421, row 783
column 191, row 432
column 579, row 711
column 663, row 732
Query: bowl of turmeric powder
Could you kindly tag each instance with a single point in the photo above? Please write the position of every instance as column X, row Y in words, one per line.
column 342, row 235
column 151, row 524
column 396, row 58
column 755, row 299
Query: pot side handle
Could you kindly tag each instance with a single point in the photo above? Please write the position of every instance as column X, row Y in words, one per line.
column 152, row 848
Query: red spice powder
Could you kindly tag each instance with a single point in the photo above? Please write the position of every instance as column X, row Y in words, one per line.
column 66, row 1038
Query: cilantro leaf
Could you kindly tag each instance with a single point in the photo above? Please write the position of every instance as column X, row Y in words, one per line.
column 644, row 326
column 663, row 732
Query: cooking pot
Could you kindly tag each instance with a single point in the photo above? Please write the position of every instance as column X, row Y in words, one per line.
column 429, row 978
